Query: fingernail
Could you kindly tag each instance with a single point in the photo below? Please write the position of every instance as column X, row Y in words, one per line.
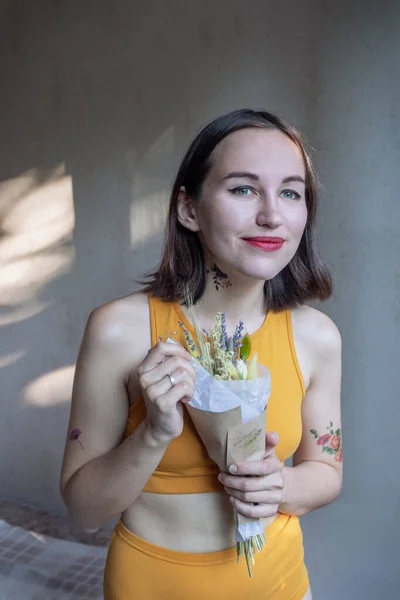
column 220, row 477
column 232, row 469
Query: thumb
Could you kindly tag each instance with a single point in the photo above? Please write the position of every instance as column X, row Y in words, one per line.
column 271, row 440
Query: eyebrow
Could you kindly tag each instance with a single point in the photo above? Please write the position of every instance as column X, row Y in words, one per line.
column 293, row 178
column 242, row 175
column 254, row 177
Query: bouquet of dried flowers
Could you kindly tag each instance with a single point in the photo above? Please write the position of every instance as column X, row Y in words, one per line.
column 228, row 408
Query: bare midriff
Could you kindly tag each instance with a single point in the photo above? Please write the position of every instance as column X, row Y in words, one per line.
column 185, row 522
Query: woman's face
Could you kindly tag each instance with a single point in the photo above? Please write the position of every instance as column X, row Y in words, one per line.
column 255, row 191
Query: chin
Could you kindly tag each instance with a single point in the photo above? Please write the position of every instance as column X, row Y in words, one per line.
column 260, row 274
column 262, row 270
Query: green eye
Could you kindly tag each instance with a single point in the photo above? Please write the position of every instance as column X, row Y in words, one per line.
column 291, row 195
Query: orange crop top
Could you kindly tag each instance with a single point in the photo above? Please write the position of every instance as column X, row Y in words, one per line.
column 185, row 467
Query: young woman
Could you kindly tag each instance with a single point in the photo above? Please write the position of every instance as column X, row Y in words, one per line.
column 241, row 238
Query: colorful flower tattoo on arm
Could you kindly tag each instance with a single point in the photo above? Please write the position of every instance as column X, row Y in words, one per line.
column 331, row 442
column 74, row 435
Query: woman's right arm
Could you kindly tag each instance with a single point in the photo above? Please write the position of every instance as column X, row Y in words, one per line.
column 102, row 475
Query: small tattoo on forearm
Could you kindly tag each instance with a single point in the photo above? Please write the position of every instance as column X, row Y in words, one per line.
column 74, row 435
column 220, row 278
column 331, row 442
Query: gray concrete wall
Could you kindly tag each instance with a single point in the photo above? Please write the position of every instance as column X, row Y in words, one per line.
column 99, row 101
column 355, row 127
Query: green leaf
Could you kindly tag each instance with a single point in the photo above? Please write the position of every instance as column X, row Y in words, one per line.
column 337, row 431
column 331, row 432
column 328, row 450
column 330, row 424
column 245, row 348
column 313, row 431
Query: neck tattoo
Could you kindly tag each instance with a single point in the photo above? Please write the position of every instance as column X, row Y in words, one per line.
column 220, row 278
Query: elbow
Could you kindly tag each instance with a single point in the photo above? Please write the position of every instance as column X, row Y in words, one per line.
column 333, row 487
column 338, row 488
column 337, row 483
column 83, row 517
column 294, row 510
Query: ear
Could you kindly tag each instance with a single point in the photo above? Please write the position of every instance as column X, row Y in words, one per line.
column 187, row 211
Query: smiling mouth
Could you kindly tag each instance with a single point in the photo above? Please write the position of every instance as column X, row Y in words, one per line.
column 267, row 244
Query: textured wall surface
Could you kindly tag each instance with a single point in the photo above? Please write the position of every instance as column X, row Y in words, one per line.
column 356, row 131
column 99, row 101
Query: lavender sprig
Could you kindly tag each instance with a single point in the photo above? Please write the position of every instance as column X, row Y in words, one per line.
column 189, row 340
column 224, row 333
column 237, row 337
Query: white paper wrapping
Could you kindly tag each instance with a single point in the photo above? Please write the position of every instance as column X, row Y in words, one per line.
column 218, row 396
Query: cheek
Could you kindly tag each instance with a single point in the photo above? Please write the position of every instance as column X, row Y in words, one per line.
column 216, row 219
column 297, row 221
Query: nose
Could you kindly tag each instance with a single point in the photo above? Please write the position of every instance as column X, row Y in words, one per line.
column 268, row 213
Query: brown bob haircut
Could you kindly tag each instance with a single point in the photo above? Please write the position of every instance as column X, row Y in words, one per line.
column 182, row 268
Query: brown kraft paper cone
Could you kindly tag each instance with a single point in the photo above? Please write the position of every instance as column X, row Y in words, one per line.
column 228, row 440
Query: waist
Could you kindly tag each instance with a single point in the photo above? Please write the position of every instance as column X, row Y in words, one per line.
column 139, row 568
column 191, row 482
column 198, row 523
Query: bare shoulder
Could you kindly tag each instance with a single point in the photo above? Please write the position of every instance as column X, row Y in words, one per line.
column 116, row 321
column 120, row 330
column 315, row 329
column 317, row 341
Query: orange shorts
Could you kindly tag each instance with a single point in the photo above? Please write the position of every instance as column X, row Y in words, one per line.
column 136, row 569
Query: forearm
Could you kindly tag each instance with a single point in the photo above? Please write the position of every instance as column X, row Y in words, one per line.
column 308, row 486
column 106, row 486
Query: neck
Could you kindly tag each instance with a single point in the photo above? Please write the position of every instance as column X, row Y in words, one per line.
column 237, row 296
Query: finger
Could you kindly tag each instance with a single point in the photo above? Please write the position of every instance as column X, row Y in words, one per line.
column 252, row 484
column 163, row 387
column 254, row 467
column 261, row 511
column 159, row 352
column 262, row 497
column 175, row 365
column 244, row 484
column 271, row 440
column 268, row 465
column 178, row 392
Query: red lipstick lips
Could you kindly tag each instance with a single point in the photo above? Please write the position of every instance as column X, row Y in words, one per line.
column 268, row 244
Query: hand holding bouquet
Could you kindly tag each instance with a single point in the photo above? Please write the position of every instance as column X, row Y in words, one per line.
column 256, row 488
column 228, row 409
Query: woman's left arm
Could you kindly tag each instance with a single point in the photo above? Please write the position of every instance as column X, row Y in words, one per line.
column 315, row 479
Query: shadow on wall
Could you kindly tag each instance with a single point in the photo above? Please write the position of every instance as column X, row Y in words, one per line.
column 38, row 258
column 82, row 212
column 98, row 108
column 36, row 249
